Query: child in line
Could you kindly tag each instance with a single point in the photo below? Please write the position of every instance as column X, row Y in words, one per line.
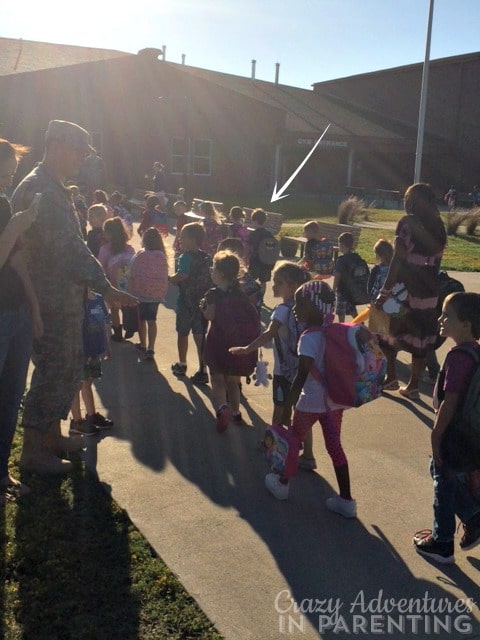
column 115, row 256
column 97, row 215
column 285, row 332
column 453, row 457
column 318, row 256
column 213, row 227
column 116, row 204
column 248, row 285
column 154, row 215
column 226, row 327
column 344, row 282
column 193, row 280
column 383, row 253
column 179, row 209
column 148, row 281
column 96, row 345
column 314, row 304
column 256, row 268
column 101, row 197
column 237, row 226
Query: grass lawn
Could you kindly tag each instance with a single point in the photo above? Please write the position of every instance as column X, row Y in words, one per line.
column 74, row 567
column 462, row 252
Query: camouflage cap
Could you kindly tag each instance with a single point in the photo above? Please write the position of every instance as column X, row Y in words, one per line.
column 70, row 133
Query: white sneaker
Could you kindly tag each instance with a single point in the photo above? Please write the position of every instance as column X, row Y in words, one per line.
column 273, row 484
column 346, row 508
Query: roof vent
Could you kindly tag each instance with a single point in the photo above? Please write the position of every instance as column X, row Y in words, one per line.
column 277, row 72
column 254, row 62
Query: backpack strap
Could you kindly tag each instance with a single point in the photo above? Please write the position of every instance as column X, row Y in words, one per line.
column 472, row 352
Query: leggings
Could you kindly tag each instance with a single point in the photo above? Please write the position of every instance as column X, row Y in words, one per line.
column 331, row 428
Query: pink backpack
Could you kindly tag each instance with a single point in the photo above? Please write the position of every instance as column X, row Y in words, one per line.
column 354, row 364
column 149, row 275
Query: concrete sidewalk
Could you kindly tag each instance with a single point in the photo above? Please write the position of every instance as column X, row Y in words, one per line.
column 248, row 560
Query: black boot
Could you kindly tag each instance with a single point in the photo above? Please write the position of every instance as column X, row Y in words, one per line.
column 117, row 333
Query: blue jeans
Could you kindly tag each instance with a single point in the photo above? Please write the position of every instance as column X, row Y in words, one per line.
column 15, row 348
column 451, row 496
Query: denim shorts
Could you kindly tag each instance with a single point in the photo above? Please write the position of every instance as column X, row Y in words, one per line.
column 148, row 311
column 189, row 320
column 343, row 307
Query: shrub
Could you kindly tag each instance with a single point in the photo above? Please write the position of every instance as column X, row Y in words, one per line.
column 456, row 220
column 348, row 209
column 472, row 221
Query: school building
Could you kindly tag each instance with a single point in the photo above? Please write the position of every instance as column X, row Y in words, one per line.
column 221, row 134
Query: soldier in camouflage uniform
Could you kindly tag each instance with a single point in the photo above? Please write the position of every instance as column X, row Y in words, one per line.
column 61, row 268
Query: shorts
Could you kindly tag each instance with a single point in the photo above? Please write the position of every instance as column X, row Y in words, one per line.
column 189, row 320
column 148, row 311
column 343, row 307
column 260, row 271
column 92, row 368
column 281, row 389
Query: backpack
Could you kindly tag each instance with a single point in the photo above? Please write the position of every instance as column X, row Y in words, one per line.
column 281, row 447
column 118, row 269
column 293, row 336
column 252, row 289
column 354, row 364
column 236, row 323
column 320, row 257
column 268, row 249
column 355, row 280
column 447, row 285
column 199, row 279
column 461, row 442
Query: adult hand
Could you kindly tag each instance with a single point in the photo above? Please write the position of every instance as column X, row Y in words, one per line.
column 116, row 298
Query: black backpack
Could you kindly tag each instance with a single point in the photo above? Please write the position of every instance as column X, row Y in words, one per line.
column 355, row 281
column 461, row 442
column 447, row 285
column 268, row 249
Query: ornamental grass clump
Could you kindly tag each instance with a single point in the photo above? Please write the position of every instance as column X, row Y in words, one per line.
column 349, row 209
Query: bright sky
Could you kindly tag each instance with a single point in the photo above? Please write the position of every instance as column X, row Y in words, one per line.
column 313, row 40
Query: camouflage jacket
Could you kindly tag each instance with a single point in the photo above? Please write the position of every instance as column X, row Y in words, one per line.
column 60, row 264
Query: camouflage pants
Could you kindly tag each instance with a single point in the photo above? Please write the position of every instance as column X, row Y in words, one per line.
column 58, row 360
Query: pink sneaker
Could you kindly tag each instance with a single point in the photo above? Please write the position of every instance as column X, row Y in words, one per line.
column 224, row 416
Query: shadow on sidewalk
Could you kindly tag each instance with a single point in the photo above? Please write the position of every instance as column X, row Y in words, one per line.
column 321, row 555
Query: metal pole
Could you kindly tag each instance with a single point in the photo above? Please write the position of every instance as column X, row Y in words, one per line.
column 423, row 99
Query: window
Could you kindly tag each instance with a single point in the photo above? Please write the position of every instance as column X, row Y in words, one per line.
column 179, row 162
column 202, row 157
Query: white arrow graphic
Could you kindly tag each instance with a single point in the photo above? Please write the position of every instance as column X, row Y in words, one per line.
column 277, row 195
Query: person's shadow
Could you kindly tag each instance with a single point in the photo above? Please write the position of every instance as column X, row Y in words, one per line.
column 320, row 554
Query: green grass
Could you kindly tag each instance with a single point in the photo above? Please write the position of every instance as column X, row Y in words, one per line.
column 462, row 252
column 74, row 567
